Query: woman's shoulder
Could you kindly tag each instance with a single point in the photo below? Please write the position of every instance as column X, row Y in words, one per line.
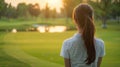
column 73, row 38
column 99, row 41
column 68, row 40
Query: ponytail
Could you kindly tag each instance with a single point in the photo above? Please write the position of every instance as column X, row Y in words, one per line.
column 88, row 37
column 83, row 16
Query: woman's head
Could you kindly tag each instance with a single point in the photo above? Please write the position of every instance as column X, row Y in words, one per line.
column 81, row 14
column 83, row 17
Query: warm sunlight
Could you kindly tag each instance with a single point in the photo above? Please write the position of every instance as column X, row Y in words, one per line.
column 52, row 3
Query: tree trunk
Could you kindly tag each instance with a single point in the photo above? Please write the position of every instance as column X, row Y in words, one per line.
column 67, row 20
column 118, row 19
column 0, row 17
column 104, row 20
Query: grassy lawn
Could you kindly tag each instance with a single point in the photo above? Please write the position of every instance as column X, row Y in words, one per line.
column 7, row 60
column 43, row 49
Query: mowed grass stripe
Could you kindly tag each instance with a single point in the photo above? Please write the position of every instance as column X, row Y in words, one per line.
column 13, row 49
column 7, row 60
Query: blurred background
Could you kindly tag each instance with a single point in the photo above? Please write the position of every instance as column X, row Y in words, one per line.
column 32, row 31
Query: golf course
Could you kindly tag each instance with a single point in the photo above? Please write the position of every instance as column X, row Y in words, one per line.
column 35, row 49
column 32, row 32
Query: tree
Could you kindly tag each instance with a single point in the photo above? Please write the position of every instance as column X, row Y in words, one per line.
column 62, row 12
column 34, row 10
column 3, row 7
column 47, row 11
column 116, row 10
column 22, row 9
column 53, row 13
column 69, row 6
column 102, row 9
column 11, row 12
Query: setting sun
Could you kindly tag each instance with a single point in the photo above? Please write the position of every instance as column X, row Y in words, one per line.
column 52, row 3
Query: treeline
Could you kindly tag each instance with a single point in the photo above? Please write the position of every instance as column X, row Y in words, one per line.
column 104, row 9
column 24, row 10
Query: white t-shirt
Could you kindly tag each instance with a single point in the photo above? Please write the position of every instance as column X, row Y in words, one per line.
column 74, row 49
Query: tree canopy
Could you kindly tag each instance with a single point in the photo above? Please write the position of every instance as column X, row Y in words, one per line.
column 104, row 9
column 34, row 10
column 3, row 7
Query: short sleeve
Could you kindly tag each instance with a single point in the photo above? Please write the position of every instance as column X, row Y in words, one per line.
column 102, row 50
column 64, row 50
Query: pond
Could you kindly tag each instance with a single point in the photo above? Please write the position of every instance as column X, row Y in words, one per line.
column 51, row 29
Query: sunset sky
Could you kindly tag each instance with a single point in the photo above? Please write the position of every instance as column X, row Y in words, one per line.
column 52, row 3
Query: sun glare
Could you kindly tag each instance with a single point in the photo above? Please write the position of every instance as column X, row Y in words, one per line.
column 52, row 3
column 57, row 4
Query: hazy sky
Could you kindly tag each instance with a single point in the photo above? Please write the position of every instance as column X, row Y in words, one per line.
column 52, row 3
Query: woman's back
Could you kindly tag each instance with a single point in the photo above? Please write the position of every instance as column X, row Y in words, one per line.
column 74, row 49
column 83, row 49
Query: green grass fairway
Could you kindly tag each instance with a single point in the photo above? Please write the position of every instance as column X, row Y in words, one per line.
column 7, row 60
column 42, row 49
